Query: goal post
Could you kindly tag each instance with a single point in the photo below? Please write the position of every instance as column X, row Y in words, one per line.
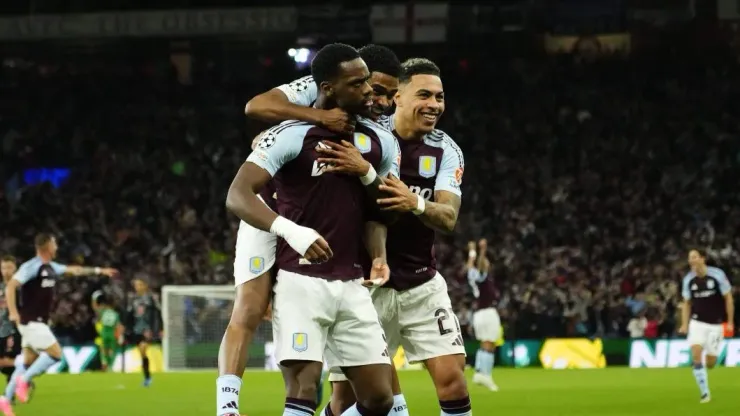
column 195, row 318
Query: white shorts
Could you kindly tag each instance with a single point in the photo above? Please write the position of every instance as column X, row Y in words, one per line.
column 419, row 319
column 36, row 336
column 313, row 319
column 255, row 253
column 487, row 325
column 709, row 336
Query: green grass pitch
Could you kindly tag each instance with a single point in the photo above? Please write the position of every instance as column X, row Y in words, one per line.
column 528, row 392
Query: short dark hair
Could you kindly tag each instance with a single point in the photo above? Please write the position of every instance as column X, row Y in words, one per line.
column 8, row 258
column 418, row 66
column 42, row 239
column 381, row 59
column 325, row 65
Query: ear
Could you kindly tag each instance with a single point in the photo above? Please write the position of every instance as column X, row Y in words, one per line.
column 327, row 88
column 397, row 98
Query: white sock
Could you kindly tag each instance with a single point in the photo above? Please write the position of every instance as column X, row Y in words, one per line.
column 20, row 369
column 400, row 408
column 227, row 394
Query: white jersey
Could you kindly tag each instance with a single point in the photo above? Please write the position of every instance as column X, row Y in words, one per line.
column 302, row 91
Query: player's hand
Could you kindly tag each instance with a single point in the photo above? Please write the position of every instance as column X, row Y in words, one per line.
column 338, row 121
column 343, row 158
column 400, row 198
column 319, row 251
column 683, row 330
column 107, row 271
column 379, row 274
column 14, row 318
column 10, row 343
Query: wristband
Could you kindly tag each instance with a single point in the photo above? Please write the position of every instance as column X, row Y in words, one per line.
column 420, row 205
column 282, row 226
column 97, row 270
column 369, row 176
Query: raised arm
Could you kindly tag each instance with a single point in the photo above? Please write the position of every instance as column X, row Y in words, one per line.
column 77, row 271
column 294, row 101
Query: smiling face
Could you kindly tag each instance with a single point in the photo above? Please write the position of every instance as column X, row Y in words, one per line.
column 422, row 99
column 384, row 88
column 350, row 90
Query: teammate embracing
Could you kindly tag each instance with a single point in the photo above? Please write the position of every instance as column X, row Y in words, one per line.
column 707, row 295
column 255, row 249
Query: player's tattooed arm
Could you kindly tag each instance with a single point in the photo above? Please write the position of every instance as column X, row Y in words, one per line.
column 440, row 215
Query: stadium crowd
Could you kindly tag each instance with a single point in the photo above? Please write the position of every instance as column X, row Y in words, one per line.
column 590, row 181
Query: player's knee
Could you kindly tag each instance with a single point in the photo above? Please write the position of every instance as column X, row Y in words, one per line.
column 451, row 385
column 711, row 361
column 379, row 402
column 343, row 397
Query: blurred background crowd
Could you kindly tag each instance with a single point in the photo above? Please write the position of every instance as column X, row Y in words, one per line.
column 590, row 178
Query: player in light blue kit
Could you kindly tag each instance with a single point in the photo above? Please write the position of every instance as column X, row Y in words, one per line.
column 708, row 302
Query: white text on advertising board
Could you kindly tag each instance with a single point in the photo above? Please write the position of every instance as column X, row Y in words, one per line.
column 676, row 353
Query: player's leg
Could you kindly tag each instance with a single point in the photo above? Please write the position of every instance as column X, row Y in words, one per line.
column 487, row 326
column 13, row 349
column 255, row 256
column 143, row 346
column 711, row 349
column 342, row 395
column 40, row 338
column 250, row 305
column 432, row 335
column 109, row 352
column 302, row 310
column 357, row 345
column 697, row 338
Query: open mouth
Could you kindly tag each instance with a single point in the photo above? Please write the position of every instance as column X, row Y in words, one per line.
column 429, row 117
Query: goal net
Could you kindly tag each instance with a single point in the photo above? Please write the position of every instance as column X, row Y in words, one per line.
column 195, row 318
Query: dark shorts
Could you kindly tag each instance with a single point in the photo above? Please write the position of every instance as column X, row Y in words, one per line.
column 136, row 339
column 14, row 350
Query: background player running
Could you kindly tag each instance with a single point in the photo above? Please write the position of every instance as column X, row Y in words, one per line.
column 335, row 310
column 110, row 328
column 10, row 339
column 34, row 283
column 255, row 249
column 486, row 322
column 708, row 301
column 146, row 316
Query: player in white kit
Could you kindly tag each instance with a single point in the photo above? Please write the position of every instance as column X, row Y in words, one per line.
column 708, row 301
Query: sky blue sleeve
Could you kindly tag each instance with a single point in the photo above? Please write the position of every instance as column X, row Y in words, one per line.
column 278, row 146
column 724, row 283
column 59, row 269
column 391, row 158
column 449, row 177
column 685, row 292
column 302, row 91
column 28, row 270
